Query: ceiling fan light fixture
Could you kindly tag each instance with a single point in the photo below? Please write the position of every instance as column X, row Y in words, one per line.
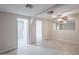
column 65, row 17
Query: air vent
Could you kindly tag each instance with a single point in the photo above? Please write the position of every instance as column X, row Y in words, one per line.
column 29, row 6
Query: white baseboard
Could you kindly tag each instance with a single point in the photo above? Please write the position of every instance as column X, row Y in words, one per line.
column 3, row 51
column 69, row 41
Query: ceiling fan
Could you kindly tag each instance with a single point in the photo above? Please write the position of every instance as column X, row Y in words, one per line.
column 63, row 18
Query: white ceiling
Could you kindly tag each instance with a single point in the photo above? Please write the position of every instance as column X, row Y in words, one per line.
column 21, row 9
column 39, row 10
column 64, row 8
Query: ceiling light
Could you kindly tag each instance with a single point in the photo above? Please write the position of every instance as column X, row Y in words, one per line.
column 59, row 19
column 29, row 6
column 50, row 12
column 64, row 21
column 64, row 18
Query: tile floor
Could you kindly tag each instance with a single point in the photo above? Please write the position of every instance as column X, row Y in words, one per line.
column 34, row 50
column 49, row 48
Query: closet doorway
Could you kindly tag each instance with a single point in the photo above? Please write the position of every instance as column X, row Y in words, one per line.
column 23, row 32
column 38, row 31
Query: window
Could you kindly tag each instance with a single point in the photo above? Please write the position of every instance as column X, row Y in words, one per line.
column 66, row 26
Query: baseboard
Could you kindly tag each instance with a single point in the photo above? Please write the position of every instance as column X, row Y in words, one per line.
column 7, row 50
column 68, row 41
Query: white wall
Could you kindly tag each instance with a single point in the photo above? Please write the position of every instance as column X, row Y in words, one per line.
column 45, row 29
column 8, row 31
column 32, row 31
column 8, row 34
column 68, row 35
column 49, row 33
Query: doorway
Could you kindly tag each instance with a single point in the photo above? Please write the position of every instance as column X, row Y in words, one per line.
column 38, row 31
column 23, row 26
